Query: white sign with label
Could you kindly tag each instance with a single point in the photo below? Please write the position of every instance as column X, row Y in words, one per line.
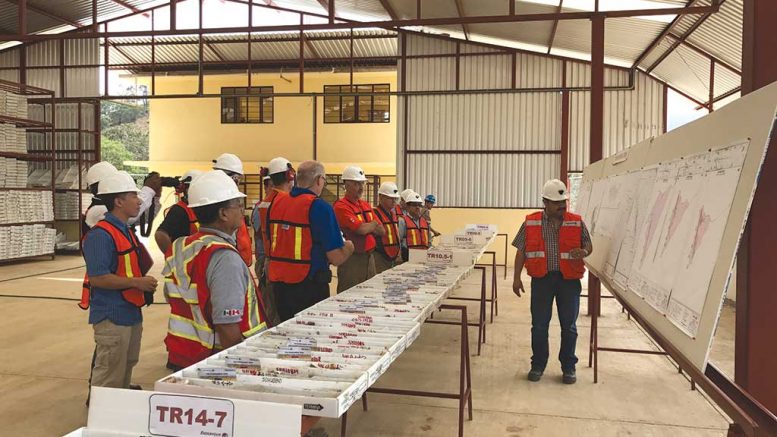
column 181, row 416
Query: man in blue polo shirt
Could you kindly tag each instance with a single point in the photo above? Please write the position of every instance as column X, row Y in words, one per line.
column 294, row 289
column 116, row 263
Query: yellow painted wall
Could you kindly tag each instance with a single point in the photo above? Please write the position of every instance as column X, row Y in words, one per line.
column 187, row 133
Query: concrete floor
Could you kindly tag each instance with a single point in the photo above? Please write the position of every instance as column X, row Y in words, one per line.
column 46, row 347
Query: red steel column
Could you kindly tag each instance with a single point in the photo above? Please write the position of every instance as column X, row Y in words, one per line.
column 596, row 147
column 564, row 164
column 755, row 357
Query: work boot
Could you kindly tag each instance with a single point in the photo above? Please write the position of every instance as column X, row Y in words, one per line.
column 569, row 377
column 535, row 375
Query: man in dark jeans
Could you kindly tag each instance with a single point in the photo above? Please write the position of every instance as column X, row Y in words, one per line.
column 551, row 244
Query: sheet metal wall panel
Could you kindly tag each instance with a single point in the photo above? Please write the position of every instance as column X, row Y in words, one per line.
column 485, row 72
column 431, row 74
column 629, row 117
column 521, row 121
column 503, row 180
column 537, row 72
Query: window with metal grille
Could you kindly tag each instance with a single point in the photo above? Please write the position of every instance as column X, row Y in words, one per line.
column 249, row 105
column 371, row 107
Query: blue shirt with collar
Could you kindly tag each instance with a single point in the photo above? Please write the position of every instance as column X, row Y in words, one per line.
column 101, row 259
column 324, row 229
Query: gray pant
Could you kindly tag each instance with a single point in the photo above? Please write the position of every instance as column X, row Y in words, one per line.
column 357, row 269
column 116, row 353
column 382, row 263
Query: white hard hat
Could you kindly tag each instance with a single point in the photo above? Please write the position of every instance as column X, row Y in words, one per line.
column 354, row 173
column 212, row 187
column 190, row 175
column 555, row 191
column 278, row 165
column 413, row 197
column 118, row 182
column 99, row 171
column 389, row 189
column 265, row 178
column 228, row 162
column 405, row 192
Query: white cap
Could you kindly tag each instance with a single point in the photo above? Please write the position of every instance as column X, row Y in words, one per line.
column 118, row 182
column 389, row 189
column 99, row 172
column 190, row 175
column 555, row 191
column 354, row 173
column 228, row 162
column 405, row 192
column 212, row 187
column 278, row 165
column 412, row 197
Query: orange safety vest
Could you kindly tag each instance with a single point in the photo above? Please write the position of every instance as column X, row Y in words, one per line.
column 264, row 206
column 390, row 242
column 194, row 225
column 243, row 239
column 191, row 336
column 416, row 237
column 133, row 261
column 398, row 211
column 291, row 242
column 569, row 237
column 364, row 213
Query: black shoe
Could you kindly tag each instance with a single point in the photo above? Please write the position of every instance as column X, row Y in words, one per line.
column 569, row 377
column 535, row 375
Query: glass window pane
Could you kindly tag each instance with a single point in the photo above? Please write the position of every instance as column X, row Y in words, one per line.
column 267, row 110
column 331, row 109
column 349, row 108
column 365, row 108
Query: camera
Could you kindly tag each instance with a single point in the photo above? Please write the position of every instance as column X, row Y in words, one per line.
column 171, row 182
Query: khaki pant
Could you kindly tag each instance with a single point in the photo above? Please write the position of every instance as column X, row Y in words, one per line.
column 382, row 263
column 357, row 269
column 116, row 353
column 270, row 305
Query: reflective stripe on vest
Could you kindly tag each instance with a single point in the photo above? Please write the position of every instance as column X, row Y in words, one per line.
column 389, row 243
column 417, row 237
column 127, row 264
column 191, row 336
column 291, row 239
column 570, row 237
column 365, row 214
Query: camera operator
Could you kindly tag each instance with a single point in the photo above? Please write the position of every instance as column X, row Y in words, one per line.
column 179, row 220
column 149, row 197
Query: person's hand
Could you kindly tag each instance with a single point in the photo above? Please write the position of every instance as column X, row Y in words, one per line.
column 146, row 283
column 379, row 229
column 154, row 181
column 578, row 253
column 518, row 287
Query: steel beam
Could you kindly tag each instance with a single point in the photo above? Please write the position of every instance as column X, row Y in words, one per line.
column 389, row 10
column 45, row 13
column 460, row 11
column 555, row 27
column 596, row 132
column 661, row 37
column 685, row 35
column 709, row 56
column 564, row 161
column 391, row 24
column 755, row 359
column 124, row 4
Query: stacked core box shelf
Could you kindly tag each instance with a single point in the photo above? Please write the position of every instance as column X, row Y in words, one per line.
column 26, row 174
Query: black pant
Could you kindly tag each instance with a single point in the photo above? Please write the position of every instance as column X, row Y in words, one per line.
column 293, row 298
column 567, row 295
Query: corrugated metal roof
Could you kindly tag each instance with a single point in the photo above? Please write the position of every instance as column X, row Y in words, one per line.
column 76, row 11
column 721, row 34
column 688, row 71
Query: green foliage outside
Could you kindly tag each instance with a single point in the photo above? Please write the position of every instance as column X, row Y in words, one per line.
column 124, row 134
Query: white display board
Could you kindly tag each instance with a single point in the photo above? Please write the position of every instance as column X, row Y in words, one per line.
column 667, row 215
